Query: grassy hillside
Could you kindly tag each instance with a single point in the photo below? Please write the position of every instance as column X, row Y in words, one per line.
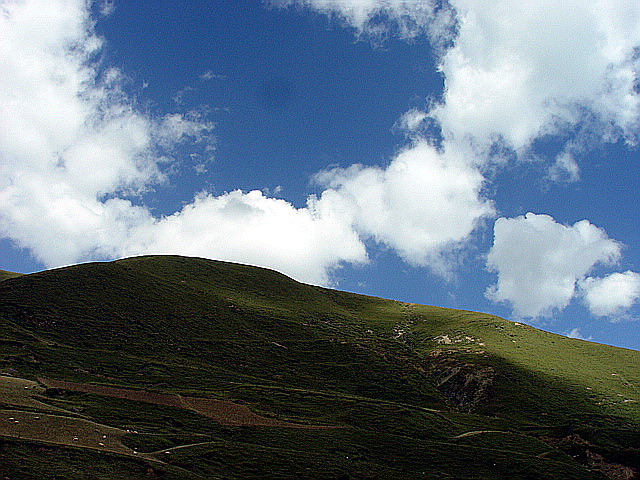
column 346, row 386
column 4, row 275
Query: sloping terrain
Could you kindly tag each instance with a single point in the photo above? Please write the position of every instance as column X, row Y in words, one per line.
column 150, row 351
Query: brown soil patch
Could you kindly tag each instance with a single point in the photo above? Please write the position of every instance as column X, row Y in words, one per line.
column 221, row 411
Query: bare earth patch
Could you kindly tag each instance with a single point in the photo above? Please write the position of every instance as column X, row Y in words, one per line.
column 221, row 411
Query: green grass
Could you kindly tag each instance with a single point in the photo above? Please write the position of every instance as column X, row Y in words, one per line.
column 4, row 275
column 22, row 460
column 399, row 380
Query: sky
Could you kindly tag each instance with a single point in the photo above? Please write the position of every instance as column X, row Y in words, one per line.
column 474, row 155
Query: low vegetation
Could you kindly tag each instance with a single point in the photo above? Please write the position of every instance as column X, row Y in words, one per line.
column 158, row 354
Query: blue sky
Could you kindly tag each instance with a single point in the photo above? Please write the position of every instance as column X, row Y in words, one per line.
column 474, row 156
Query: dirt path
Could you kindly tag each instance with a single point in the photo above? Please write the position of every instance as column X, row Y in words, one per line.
column 220, row 411
column 180, row 447
column 478, row 432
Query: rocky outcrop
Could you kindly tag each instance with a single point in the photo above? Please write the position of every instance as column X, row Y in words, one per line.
column 464, row 385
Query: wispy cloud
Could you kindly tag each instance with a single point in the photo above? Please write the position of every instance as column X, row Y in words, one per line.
column 211, row 75
column 575, row 333
column 106, row 7
column 379, row 19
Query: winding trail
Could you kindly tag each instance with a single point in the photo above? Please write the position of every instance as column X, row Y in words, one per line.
column 478, row 432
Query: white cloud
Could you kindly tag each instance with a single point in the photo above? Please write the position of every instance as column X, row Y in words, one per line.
column 210, row 75
column 513, row 72
column 612, row 295
column 412, row 120
column 423, row 204
column 106, row 7
column 379, row 18
column 306, row 243
column 175, row 128
column 68, row 136
column 565, row 169
column 519, row 70
column 575, row 333
column 73, row 148
column 539, row 261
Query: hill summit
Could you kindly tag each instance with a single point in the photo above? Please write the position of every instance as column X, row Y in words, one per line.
column 181, row 368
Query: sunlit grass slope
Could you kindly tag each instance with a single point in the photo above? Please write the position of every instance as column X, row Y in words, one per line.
column 4, row 275
column 402, row 390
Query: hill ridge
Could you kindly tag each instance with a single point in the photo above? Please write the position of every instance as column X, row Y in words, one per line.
column 403, row 380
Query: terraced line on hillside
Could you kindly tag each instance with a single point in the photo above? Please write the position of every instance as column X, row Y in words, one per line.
column 19, row 392
column 221, row 411
column 451, row 445
column 479, row 432
column 144, row 457
column 323, row 393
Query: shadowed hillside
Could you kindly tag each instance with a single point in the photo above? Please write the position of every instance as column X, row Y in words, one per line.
column 192, row 368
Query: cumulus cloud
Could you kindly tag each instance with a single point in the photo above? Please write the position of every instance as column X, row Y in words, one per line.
column 612, row 295
column 68, row 134
column 515, row 71
column 424, row 203
column 75, row 151
column 251, row 228
column 521, row 70
column 539, row 261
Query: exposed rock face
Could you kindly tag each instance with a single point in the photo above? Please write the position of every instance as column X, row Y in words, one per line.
column 464, row 385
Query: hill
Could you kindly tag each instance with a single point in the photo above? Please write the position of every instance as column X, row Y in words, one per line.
column 182, row 368
column 4, row 275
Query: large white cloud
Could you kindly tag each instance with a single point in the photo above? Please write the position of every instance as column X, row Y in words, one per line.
column 539, row 261
column 306, row 243
column 67, row 135
column 74, row 150
column 425, row 203
column 519, row 70
column 513, row 72
column 612, row 295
